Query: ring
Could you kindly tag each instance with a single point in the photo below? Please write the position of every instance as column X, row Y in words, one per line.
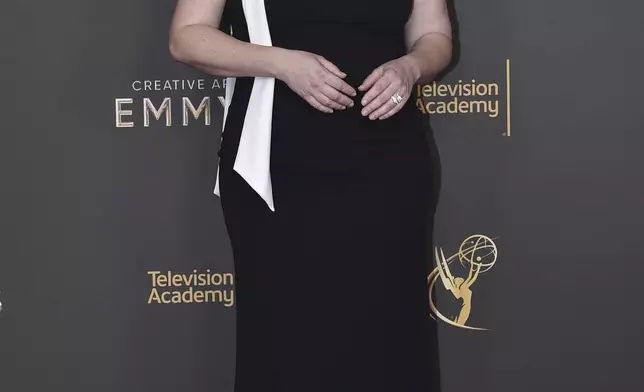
column 397, row 98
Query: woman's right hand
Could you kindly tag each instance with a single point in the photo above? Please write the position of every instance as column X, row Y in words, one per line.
column 316, row 79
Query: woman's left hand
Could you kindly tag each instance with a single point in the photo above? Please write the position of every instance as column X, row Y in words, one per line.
column 388, row 88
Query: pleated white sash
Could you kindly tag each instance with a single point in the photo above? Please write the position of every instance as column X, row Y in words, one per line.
column 252, row 161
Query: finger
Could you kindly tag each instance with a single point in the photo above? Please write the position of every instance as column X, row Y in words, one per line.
column 316, row 104
column 340, row 85
column 371, row 79
column 380, row 95
column 384, row 98
column 375, row 91
column 326, row 101
column 390, row 104
column 336, row 96
column 393, row 111
column 387, row 78
column 385, row 108
column 331, row 67
column 388, row 110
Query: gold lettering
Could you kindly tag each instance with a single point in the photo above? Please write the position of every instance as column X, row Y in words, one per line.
column 481, row 89
column 420, row 106
column 154, row 297
column 176, row 297
column 426, row 91
column 189, row 283
column 453, row 89
column 467, row 90
column 493, row 89
column 164, row 297
column 452, row 106
column 476, row 105
column 198, row 297
column 186, row 297
column 154, row 274
column 493, row 108
column 229, row 300
column 189, row 279
column 162, row 281
column 213, row 295
column 216, row 279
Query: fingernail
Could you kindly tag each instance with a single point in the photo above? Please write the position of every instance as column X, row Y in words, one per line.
column 351, row 104
column 364, row 102
column 353, row 93
column 344, row 107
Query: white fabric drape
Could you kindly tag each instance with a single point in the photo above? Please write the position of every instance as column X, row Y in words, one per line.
column 252, row 161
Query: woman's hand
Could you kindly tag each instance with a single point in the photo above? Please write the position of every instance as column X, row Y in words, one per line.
column 392, row 79
column 316, row 79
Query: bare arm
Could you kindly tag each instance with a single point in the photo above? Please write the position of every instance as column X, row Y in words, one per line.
column 195, row 39
column 428, row 35
column 429, row 38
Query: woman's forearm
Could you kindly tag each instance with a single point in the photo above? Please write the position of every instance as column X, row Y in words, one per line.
column 430, row 54
column 220, row 54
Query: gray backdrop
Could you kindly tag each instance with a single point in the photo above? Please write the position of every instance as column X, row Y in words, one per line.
column 90, row 209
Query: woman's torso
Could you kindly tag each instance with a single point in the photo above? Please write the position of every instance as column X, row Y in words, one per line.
column 357, row 36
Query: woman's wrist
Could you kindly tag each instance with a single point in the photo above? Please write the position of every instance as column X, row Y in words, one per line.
column 413, row 65
column 429, row 56
column 275, row 58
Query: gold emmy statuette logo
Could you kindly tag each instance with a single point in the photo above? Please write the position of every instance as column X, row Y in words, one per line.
column 477, row 254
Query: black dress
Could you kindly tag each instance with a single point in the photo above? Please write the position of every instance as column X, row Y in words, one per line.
column 331, row 289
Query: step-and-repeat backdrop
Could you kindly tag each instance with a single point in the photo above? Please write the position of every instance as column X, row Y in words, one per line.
column 115, row 267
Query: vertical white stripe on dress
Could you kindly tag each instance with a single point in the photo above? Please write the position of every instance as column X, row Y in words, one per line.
column 252, row 161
